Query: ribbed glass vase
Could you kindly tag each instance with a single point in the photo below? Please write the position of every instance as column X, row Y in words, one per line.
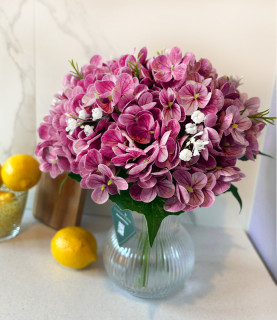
column 151, row 272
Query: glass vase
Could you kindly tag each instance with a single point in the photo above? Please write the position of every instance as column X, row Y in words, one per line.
column 151, row 272
column 11, row 212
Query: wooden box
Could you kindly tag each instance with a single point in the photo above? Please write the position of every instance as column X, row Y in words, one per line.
column 58, row 208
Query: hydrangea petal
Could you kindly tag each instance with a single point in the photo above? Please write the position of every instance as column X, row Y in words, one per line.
column 148, row 195
column 95, row 181
column 198, row 180
column 120, row 183
column 100, row 196
column 104, row 87
column 179, row 71
column 221, row 187
column 92, row 159
column 106, row 171
column 174, row 205
column 196, row 198
column 125, row 83
column 161, row 63
column 163, row 76
column 175, row 55
column 182, row 177
column 165, row 189
column 135, row 192
column 150, row 183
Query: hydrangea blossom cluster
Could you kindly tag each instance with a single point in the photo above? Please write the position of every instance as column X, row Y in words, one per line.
column 165, row 126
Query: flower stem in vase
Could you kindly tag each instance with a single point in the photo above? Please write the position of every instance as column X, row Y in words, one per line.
column 144, row 248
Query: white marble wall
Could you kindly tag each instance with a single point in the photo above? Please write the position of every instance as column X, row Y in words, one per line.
column 237, row 36
column 17, row 78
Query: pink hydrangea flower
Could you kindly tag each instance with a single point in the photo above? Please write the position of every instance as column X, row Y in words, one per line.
column 142, row 128
column 105, row 184
column 169, row 66
column 53, row 159
column 112, row 89
column 239, row 124
column 171, row 109
column 209, row 196
column 194, row 96
column 147, row 191
column 192, row 186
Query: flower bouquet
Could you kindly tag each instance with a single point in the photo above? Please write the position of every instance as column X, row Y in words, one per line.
column 158, row 135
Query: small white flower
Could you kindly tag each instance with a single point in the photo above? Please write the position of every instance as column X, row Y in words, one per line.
column 191, row 128
column 199, row 145
column 185, row 155
column 71, row 125
column 192, row 139
column 83, row 115
column 97, row 113
column 88, row 129
column 197, row 116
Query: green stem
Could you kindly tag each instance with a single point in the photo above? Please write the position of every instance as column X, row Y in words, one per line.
column 144, row 248
column 117, row 172
column 117, row 110
column 242, row 112
column 62, row 183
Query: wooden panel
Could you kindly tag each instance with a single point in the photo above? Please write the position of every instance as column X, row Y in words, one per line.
column 58, row 209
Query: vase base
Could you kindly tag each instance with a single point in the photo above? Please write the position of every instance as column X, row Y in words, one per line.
column 10, row 235
column 146, row 294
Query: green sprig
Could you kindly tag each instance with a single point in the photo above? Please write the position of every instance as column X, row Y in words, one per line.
column 262, row 117
column 77, row 73
column 161, row 53
column 244, row 158
column 134, row 68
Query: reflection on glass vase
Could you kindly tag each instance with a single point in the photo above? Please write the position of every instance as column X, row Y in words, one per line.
column 151, row 272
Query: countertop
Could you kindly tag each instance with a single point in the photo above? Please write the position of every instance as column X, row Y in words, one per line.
column 229, row 280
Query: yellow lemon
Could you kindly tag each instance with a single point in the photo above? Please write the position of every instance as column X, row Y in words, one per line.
column 5, row 195
column 20, row 172
column 74, row 247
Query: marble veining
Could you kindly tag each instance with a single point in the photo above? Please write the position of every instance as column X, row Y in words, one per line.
column 74, row 20
column 17, row 80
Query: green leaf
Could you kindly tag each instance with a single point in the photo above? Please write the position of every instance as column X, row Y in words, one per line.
column 266, row 155
column 235, row 193
column 244, row 158
column 75, row 176
column 153, row 211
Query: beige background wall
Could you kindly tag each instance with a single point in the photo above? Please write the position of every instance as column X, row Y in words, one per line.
column 37, row 38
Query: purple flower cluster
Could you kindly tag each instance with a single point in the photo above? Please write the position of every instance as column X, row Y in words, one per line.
column 169, row 125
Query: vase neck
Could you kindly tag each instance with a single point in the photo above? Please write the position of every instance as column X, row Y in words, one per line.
column 168, row 223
